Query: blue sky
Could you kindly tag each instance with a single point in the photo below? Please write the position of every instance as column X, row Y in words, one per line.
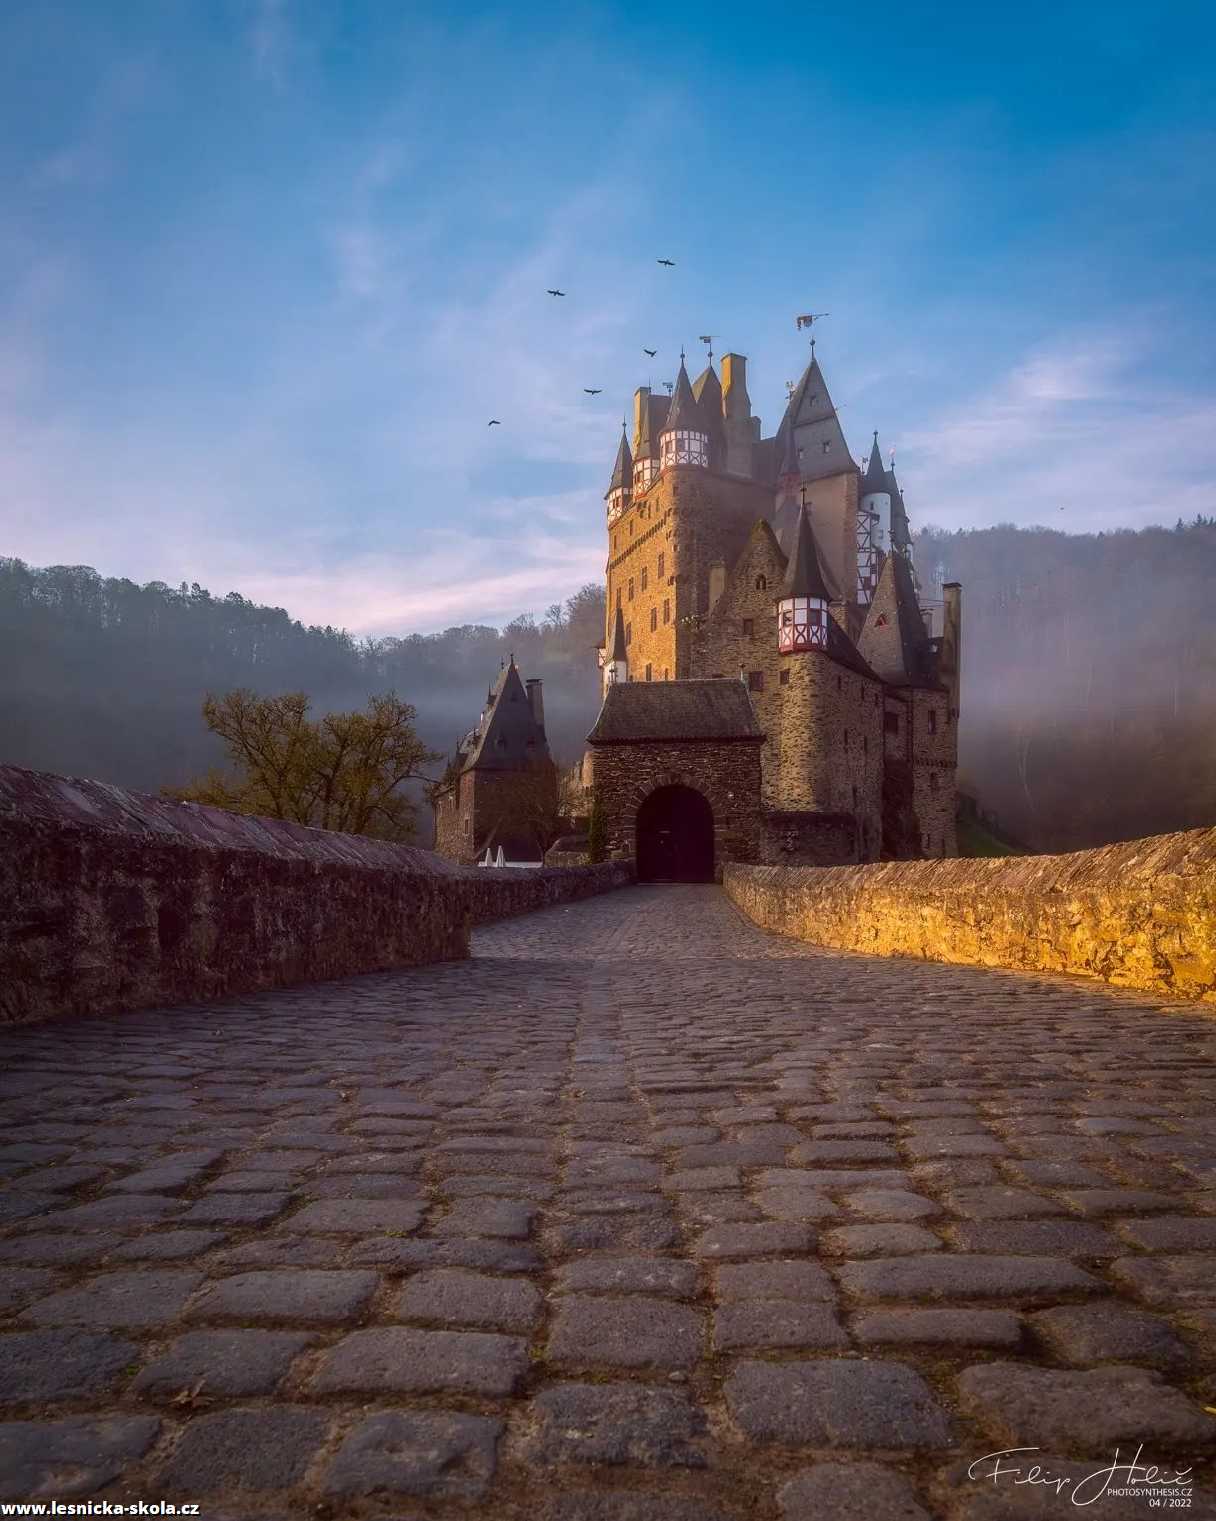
column 267, row 267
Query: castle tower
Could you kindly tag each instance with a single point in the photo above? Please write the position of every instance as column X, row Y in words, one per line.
column 645, row 438
column 802, row 603
column 829, row 758
column 620, row 487
column 684, row 439
column 616, row 667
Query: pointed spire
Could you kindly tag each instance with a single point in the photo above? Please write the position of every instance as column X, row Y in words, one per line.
column 622, row 471
column 803, row 576
column 618, row 636
column 683, row 412
column 876, row 475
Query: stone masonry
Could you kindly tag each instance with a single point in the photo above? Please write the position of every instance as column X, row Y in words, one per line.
column 640, row 1214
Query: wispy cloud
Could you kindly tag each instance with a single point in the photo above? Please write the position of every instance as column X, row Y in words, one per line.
column 1071, row 436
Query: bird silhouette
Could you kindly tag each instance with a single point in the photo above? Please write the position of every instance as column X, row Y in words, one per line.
column 671, row 263
column 493, row 423
column 590, row 392
column 650, row 352
column 556, row 293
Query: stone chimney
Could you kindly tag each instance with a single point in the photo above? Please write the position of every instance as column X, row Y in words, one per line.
column 950, row 658
column 737, row 417
column 537, row 702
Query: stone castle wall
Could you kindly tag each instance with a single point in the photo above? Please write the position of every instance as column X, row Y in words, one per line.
column 113, row 900
column 727, row 773
column 1140, row 914
column 831, row 753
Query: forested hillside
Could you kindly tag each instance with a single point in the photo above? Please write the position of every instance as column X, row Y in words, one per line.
column 1089, row 674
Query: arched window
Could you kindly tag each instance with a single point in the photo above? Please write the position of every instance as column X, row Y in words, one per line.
column 761, row 583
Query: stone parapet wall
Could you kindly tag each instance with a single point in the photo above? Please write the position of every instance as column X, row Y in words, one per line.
column 113, row 900
column 1141, row 914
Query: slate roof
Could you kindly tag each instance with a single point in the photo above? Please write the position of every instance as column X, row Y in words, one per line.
column 803, row 577
column 619, row 652
column 654, row 415
column 622, row 471
column 635, row 711
column 895, row 596
column 684, row 411
column 811, row 414
column 509, row 737
column 875, row 478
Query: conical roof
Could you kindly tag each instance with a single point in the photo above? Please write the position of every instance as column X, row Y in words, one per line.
column 875, row 478
column 618, row 636
column 803, row 576
column 683, row 412
column 622, row 471
column 901, row 536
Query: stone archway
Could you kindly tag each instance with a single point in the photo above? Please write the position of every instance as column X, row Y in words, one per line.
column 675, row 836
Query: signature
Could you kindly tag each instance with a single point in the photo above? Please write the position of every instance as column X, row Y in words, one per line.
column 1115, row 1477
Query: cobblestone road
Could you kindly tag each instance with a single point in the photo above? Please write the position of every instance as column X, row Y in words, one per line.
column 640, row 1215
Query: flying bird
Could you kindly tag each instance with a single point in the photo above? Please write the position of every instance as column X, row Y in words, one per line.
column 650, row 352
column 556, row 293
column 671, row 263
column 590, row 392
column 493, row 423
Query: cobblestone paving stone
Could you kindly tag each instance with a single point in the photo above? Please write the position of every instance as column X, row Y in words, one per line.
column 638, row 1215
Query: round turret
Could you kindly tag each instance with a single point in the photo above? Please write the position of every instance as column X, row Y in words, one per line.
column 684, row 439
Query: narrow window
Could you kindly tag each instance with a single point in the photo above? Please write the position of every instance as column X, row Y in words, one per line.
column 666, row 610
column 647, row 673
column 749, row 626
column 662, row 559
column 666, row 673
column 865, row 744
column 854, row 797
column 755, row 681
column 837, row 679
column 932, row 720
column 846, row 739
column 785, row 676
column 631, row 588
column 643, row 578
column 629, row 633
column 654, row 619
column 761, row 583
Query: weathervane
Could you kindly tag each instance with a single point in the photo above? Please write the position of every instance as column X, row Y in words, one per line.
column 708, row 340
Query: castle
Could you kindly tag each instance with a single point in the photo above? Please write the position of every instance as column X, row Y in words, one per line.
column 774, row 687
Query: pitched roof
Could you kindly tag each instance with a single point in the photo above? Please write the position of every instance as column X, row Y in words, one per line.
column 717, row 709
column 509, row 737
column 618, row 636
column 803, row 577
column 707, row 390
column 622, row 471
column 817, row 432
column 654, row 414
column 894, row 639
